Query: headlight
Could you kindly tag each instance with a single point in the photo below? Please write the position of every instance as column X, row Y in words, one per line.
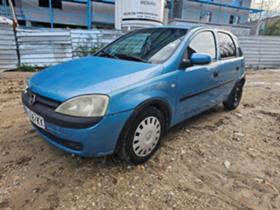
column 85, row 106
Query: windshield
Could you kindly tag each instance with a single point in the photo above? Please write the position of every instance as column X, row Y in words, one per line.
column 154, row 45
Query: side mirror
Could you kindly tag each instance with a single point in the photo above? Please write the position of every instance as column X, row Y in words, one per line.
column 200, row 59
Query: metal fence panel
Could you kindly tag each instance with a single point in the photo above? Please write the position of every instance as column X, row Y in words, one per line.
column 261, row 51
column 44, row 47
column 86, row 42
column 8, row 53
column 48, row 47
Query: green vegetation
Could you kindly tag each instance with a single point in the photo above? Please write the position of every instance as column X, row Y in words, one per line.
column 27, row 68
column 85, row 50
column 271, row 28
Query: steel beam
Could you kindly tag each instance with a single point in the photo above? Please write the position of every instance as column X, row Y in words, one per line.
column 51, row 14
column 89, row 15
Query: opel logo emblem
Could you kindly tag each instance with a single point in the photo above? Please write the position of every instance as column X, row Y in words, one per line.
column 32, row 99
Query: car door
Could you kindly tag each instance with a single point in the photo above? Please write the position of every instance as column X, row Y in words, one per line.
column 230, row 63
column 197, row 83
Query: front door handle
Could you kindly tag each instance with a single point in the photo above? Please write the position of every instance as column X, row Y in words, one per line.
column 215, row 74
column 237, row 68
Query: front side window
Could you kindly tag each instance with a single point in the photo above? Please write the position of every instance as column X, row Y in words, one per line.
column 146, row 45
column 204, row 42
column 226, row 46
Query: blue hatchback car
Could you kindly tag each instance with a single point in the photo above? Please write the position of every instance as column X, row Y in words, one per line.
column 122, row 99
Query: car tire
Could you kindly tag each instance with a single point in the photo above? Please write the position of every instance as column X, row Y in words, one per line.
column 234, row 98
column 141, row 139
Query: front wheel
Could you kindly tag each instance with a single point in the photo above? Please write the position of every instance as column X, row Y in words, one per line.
column 141, row 139
column 234, row 98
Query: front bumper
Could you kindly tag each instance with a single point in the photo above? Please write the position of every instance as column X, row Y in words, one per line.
column 98, row 139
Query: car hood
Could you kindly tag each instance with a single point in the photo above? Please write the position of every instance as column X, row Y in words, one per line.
column 90, row 75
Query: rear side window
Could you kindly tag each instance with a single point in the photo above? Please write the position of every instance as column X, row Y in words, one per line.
column 204, row 42
column 226, row 46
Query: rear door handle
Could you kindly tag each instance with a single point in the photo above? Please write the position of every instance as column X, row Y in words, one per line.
column 237, row 68
column 215, row 74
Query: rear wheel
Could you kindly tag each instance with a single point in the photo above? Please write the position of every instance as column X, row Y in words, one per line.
column 141, row 139
column 234, row 98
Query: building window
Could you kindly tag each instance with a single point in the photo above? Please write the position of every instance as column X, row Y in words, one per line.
column 231, row 19
column 238, row 3
column 7, row 2
column 205, row 16
column 55, row 3
column 234, row 19
column 238, row 20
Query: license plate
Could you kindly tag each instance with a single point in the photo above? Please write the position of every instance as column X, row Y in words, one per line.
column 35, row 118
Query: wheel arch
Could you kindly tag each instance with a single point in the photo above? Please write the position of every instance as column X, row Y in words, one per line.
column 159, row 103
column 243, row 80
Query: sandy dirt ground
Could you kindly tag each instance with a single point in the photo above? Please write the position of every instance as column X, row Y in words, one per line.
column 217, row 160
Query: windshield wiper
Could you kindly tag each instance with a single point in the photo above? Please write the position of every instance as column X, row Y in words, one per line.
column 103, row 52
column 131, row 57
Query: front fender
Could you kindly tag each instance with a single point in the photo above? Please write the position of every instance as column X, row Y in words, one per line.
column 162, row 87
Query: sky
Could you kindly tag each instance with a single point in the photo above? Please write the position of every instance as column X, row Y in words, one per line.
column 267, row 4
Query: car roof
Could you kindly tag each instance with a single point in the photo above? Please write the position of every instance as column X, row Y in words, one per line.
column 195, row 28
column 179, row 27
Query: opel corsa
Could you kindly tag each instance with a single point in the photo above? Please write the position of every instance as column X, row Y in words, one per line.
column 122, row 99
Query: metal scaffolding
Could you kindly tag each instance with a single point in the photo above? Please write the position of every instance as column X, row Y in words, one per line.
column 7, row 12
column 227, row 5
column 89, row 11
column 209, row 2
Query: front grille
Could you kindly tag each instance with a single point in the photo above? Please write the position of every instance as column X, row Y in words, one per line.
column 43, row 100
column 69, row 144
